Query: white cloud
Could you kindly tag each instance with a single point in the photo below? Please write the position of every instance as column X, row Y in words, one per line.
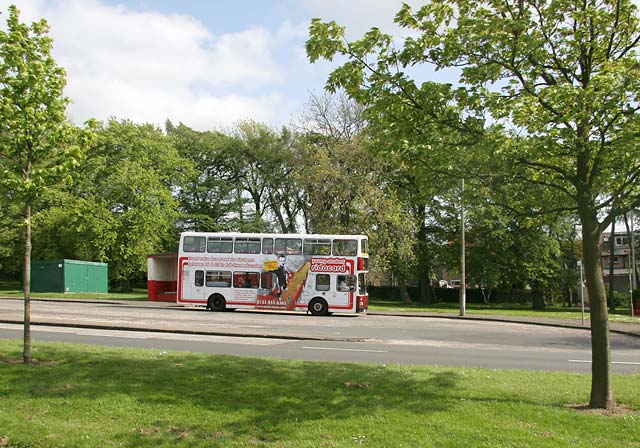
column 147, row 66
column 359, row 16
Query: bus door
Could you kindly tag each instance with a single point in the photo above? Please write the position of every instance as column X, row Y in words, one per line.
column 345, row 288
column 193, row 284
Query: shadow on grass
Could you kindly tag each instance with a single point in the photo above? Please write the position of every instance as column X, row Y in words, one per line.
column 243, row 397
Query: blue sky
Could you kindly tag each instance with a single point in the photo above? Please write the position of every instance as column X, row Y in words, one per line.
column 208, row 64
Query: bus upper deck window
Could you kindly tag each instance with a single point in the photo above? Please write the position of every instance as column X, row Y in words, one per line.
column 247, row 246
column 347, row 248
column 317, row 247
column 193, row 244
column 220, row 245
column 267, row 245
column 288, row 246
column 364, row 246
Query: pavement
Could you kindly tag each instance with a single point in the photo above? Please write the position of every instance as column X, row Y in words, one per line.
column 626, row 328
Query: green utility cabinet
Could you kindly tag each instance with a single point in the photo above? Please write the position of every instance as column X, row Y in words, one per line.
column 69, row 276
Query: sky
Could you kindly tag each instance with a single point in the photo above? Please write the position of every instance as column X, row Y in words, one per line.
column 207, row 64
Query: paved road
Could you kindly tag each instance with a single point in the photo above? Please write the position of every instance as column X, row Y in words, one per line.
column 369, row 338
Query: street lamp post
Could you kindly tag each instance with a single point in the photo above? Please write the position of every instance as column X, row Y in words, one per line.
column 633, row 283
column 581, row 290
column 463, row 280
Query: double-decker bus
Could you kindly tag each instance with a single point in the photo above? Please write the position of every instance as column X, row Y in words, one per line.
column 320, row 274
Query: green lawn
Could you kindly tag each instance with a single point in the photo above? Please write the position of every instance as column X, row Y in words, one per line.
column 509, row 309
column 14, row 289
column 85, row 396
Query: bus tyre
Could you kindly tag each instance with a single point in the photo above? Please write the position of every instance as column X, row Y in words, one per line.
column 319, row 307
column 217, row 303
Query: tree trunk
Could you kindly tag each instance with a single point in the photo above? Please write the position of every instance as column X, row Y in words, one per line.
column 404, row 294
column 486, row 294
column 601, row 387
column 570, row 296
column 427, row 295
column 538, row 297
column 275, row 207
column 26, row 352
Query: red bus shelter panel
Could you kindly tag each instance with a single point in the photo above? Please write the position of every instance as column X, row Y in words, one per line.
column 162, row 283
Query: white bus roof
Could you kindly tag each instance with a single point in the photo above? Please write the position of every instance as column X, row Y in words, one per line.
column 269, row 235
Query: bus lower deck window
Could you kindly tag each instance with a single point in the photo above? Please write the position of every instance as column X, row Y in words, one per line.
column 323, row 282
column 219, row 278
column 246, row 280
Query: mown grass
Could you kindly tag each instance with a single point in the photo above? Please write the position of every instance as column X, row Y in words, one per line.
column 14, row 289
column 86, row 396
column 504, row 309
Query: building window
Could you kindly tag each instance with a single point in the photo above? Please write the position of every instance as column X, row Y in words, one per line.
column 622, row 241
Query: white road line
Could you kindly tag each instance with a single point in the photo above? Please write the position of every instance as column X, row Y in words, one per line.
column 612, row 362
column 118, row 334
column 346, row 349
column 104, row 334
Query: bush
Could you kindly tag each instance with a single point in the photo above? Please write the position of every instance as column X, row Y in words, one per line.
column 622, row 299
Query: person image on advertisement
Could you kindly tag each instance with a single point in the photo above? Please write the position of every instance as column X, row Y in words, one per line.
column 281, row 275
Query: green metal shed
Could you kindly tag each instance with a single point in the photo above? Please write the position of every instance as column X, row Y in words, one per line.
column 69, row 276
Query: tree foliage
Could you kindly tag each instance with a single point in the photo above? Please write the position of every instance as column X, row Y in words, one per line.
column 38, row 146
column 560, row 77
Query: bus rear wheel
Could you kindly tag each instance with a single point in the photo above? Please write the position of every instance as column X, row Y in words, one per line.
column 217, row 303
column 319, row 307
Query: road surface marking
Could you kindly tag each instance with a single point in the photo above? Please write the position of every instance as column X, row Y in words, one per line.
column 346, row 349
column 123, row 334
column 629, row 363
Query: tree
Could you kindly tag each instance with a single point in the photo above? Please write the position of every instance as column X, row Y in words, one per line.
column 208, row 196
column 336, row 165
column 11, row 233
column 84, row 227
column 126, row 188
column 38, row 146
column 418, row 129
column 562, row 77
column 266, row 163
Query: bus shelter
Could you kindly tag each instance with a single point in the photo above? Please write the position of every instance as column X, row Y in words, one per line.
column 162, row 272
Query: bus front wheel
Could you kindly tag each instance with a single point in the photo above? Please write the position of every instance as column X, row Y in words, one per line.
column 319, row 307
column 217, row 303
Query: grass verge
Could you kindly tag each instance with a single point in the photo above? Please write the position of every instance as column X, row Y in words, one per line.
column 14, row 289
column 505, row 309
column 86, row 396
